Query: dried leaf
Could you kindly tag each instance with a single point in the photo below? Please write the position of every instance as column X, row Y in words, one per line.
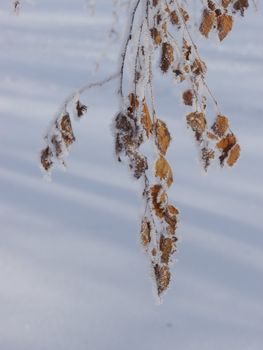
column 241, row 6
column 224, row 25
column 166, row 248
column 207, row 23
column 188, row 97
column 220, row 126
column 187, row 49
column 156, row 36
column 207, row 156
column 162, row 277
column 145, row 232
column 159, row 200
column 197, row 121
column 81, row 109
column 164, row 171
column 66, row 130
column 167, row 57
column 198, row 67
column 146, row 120
column 227, row 142
column 46, row 158
column 174, row 18
column 234, row 154
column 163, row 136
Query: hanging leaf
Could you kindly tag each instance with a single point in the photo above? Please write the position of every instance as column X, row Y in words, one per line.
column 188, row 97
column 162, row 277
column 159, row 200
column 234, row 154
column 224, row 25
column 166, row 248
column 164, row 171
column 163, row 137
column 46, row 158
column 81, row 109
column 167, row 57
column 207, row 23
column 145, row 232
column 197, row 122
column 146, row 120
column 220, row 126
column 66, row 130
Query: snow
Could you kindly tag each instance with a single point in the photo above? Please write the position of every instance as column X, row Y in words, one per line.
column 73, row 275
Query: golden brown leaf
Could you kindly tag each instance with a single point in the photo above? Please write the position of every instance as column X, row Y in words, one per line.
column 207, row 23
column 166, row 248
column 224, row 25
column 146, row 120
column 220, row 126
column 164, row 171
column 145, row 232
column 163, row 136
column 234, row 154
column 162, row 277
column 227, row 142
column 156, row 36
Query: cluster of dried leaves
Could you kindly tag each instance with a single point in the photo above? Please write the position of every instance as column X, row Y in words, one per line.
column 163, row 30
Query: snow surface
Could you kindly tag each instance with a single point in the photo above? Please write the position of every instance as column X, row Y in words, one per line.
column 72, row 273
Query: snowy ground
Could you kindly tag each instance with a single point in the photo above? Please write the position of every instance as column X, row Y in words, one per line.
column 72, row 273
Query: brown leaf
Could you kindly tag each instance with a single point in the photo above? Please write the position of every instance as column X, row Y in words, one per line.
column 207, row 23
column 166, row 247
column 187, row 49
column 167, row 57
column 164, row 171
column 145, row 232
column 198, row 67
column 225, row 145
column 156, row 36
column 159, row 200
column 163, row 136
column 171, row 219
column 188, row 97
column 227, row 142
column 225, row 3
column 234, row 154
column 81, row 109
column 174, row 18
column 46, row 158
column 66, row 130
column 162, row 277
column 197, row 121
column 146, row 120
column 241, row 6
column 207, row 156
column 220, row 126
column 224, row 25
